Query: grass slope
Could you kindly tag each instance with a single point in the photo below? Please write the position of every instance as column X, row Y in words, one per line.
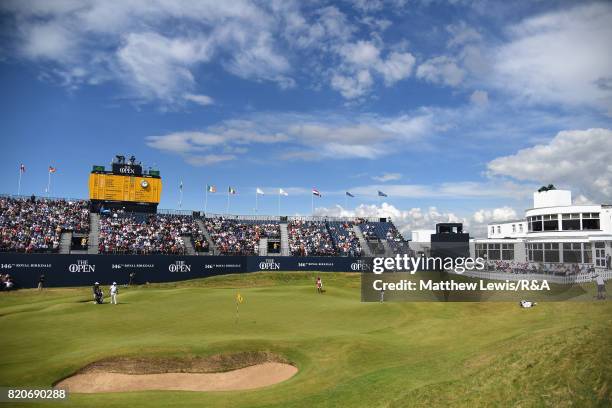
column 349, row 353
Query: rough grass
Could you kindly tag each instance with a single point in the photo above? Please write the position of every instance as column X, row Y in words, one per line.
column 348, row 353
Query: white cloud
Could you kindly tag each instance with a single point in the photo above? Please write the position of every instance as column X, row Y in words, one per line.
column 405, row 220
column 577, row 159
column 184, row 142
column 479, row 98
column 352, row 87
column 560, row 57
column 361, row 59
column 159, row 67
column 209, row 159
column 48, row 41
column 441, row 70
column 484, row 216
column 203, row 100
column 383, row 178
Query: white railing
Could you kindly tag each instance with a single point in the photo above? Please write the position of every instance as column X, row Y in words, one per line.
column 564, row 280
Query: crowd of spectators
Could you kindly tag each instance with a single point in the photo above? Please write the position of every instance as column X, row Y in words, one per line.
column 310, row 238
column 558, row 269
column 35, row 225
column 344, row 238
column 235, row 237
column 144, row 234
column 6, row 282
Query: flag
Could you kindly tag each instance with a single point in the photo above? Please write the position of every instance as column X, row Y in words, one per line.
column 239, row 298
column 231, row 190
column 381, row 194
column 52, row 169
column 349, row 194
column 282, row 192
column 316, row 192
column 211, row 189
column 259, row 191
column 22, row 168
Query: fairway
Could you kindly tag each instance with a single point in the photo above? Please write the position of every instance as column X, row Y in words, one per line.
column 348, row 353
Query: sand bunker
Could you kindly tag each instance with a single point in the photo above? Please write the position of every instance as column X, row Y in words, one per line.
column 193, row 374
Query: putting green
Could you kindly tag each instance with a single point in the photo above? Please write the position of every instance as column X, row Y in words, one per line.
column 348, row 353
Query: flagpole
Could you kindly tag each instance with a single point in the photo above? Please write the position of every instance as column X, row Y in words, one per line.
column 181, row 197
column 19, row 182
column 227, row 208
column 312, row 199
column 49, row 184
column 279, row 195
column 256, row 201
column 206, row 200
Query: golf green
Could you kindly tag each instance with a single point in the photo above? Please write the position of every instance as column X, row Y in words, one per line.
column 348, row 353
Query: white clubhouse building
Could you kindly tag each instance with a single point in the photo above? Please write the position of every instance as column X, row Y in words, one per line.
column 553, row 231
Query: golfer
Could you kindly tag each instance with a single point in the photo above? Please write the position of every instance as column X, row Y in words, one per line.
column 114, row 290
column 601, row 287
column 319, row 285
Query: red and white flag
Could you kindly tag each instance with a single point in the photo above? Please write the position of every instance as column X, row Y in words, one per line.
column 52, row 169
column 316, row 192
column 22, row 168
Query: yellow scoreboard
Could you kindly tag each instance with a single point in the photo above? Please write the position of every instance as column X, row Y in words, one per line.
column 114, row 187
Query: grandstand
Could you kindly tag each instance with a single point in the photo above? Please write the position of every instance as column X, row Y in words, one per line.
column 67, row 226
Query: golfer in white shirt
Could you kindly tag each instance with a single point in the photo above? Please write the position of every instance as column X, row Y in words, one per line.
column 113, row 292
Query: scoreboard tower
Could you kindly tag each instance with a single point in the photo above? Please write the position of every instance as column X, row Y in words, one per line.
column 125, row 186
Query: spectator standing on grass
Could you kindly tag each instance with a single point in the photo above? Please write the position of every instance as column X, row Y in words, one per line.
column 41, row 281
column 601, row 287
column 132, row 275
column 114, row 290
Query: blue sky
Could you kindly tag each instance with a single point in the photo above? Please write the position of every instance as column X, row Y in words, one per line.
column 457, row 110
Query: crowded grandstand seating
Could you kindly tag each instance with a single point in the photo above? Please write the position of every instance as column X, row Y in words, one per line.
column 344, row 239
column 35, row 225
column 145, row 233
column 384, row 231
column 310, row 238
column 240, row 237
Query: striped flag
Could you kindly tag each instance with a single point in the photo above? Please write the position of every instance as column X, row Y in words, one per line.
column 231, row 190
column 349, row 194
column 381, row 194
column 52, row 169
column 282, row 192
column 259, row 191
column 316, row 192
column 211, row 189
column 22, row 168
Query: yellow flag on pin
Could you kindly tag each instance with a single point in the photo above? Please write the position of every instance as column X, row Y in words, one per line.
column 239, row 298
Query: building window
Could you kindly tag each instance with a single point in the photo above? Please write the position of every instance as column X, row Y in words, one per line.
column 551, row 222
column 572, row 252
column 492, row 230
column 507, row 252
column 590, row 221
column 535, row 223
column 587, row 254
column 570, row 222
column 520, row 227
column 498, row 229
column 481, row 251
column 536, row 252
column 513, row 228
column 494, row 252
column 551, row 252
